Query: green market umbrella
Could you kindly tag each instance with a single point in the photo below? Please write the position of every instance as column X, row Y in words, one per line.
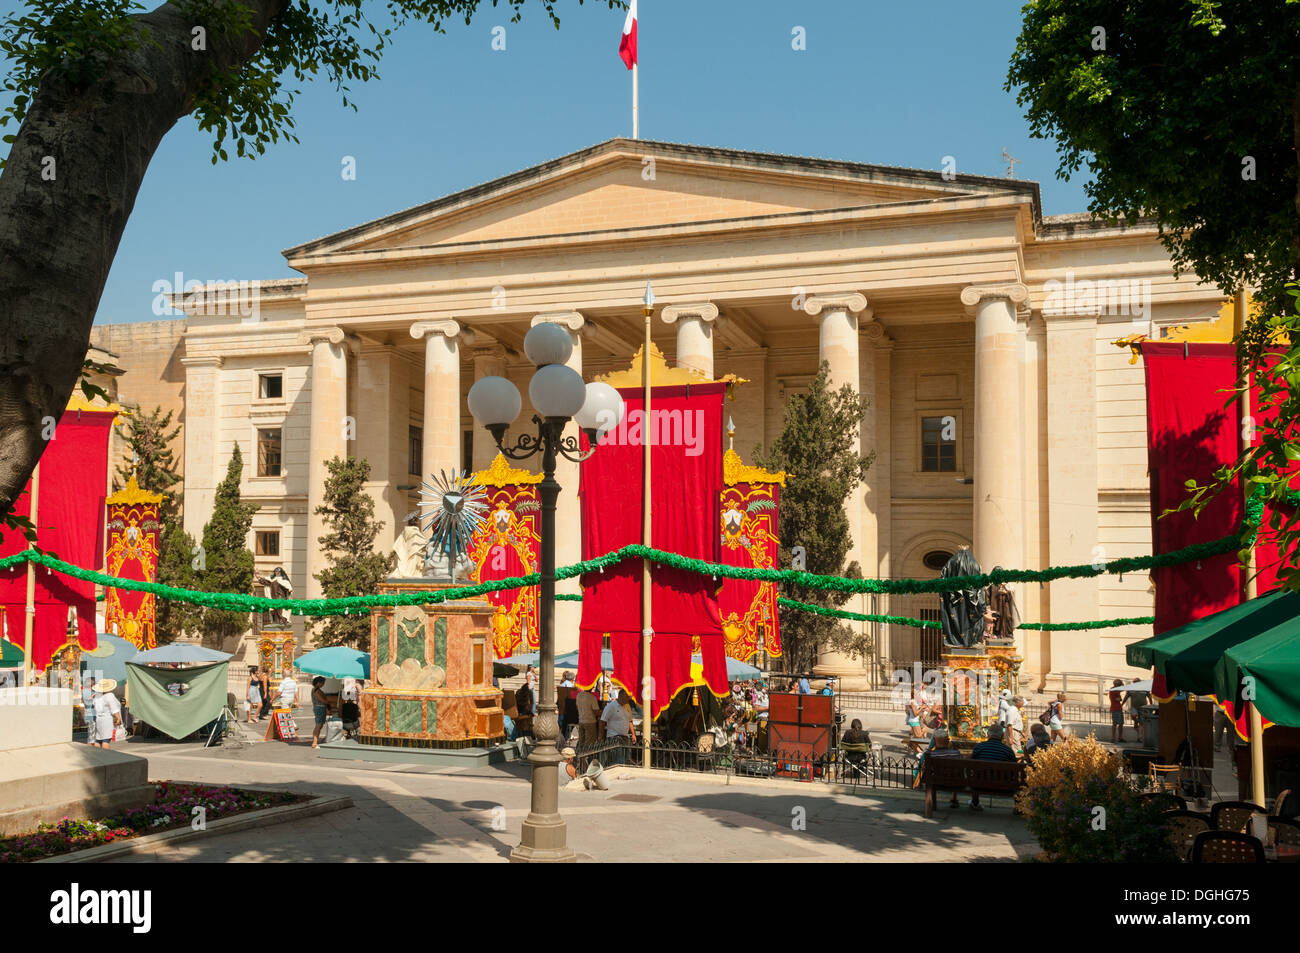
column 1189, row 655
column 10, row 654
column 1272, row 660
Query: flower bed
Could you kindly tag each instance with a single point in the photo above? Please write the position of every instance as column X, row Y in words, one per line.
column 173, row 807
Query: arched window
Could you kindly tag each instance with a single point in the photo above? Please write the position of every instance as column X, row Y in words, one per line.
column 936, row 559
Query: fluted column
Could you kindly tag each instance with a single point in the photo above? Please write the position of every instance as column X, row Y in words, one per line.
column 695, row 326
column 441, row 393
column 838, row 348
column 329, row 433
column 568, row 515
column 999, row 451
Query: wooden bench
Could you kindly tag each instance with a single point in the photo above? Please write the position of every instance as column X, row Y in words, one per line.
column 967, row 774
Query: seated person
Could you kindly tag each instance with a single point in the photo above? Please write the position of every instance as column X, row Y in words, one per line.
column 940, row 747
column 1038, row 739
column 856, row 735
column 524, row 699
column 991, row 750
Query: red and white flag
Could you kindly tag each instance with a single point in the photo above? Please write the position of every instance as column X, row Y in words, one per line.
column 627, row 45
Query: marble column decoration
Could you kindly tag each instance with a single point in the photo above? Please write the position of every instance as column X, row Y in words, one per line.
column 695, row 326
column 839, row 349
column 999, row 421
column 328, row 433
column 568, row 515
column 442, row 435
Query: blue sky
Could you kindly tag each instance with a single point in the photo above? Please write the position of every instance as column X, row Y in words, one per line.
column 889, row 83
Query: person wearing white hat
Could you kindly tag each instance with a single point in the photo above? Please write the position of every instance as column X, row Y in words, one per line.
column 107, row 712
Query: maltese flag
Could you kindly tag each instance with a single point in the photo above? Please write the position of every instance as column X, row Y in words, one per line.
column 627, row 45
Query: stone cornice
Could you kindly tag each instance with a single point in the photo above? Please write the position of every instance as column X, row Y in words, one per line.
column 973, row 295
column 210, row 360
column 445, row 326
column 573, row 320
column 853, row 302
column 705, row 311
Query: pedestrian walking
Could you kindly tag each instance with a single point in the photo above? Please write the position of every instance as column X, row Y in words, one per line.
column 253, row 696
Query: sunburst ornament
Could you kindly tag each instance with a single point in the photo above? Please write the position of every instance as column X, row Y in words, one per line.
column 451, row 509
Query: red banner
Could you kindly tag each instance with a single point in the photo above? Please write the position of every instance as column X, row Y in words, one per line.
column 134, row 533
column 750, row 503
column 70, row 525
column 1194, row 426
column 508, row 544
column 686, row 480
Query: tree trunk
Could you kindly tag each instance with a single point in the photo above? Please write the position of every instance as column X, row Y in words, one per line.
column 66, row 191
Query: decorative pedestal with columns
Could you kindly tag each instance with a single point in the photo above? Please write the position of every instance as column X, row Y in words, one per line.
column 972, row 681
column 431, row 673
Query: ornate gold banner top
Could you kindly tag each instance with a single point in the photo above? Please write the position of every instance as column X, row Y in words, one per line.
column 500, row 473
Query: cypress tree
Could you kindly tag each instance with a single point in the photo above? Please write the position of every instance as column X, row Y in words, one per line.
column 225, row 564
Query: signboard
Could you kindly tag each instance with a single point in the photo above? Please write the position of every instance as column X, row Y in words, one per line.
column 281, row 727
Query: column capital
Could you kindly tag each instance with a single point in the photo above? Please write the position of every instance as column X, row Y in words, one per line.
column 972, row 296
column 705, row 311
column 875, row 334
column 853, row 302
column 314, row 336
column 444, row 326
column 573, row 320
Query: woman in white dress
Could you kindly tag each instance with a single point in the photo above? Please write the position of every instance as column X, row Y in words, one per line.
column 107, row 711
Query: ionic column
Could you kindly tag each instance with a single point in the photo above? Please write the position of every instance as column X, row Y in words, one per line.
column 568, row 514
column 838, row 348
column 441, row 393
column 999, row 451
column 328, row 433
column 488, row 362
column 695, row 324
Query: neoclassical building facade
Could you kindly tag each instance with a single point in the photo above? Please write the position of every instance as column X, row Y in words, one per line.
column 1001, row 416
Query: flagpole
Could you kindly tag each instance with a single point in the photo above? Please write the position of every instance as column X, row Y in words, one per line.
column 647, row 629
column 30, row 615
column 636, row 107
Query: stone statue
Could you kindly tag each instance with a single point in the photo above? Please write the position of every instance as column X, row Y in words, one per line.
column 963, row 611
column 1002, row 604
column 410, row 554
column 277, row 585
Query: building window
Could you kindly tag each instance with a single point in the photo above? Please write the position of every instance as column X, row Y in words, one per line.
column 267, row 542
column 270, row 386
column 939, row 444
column 268, row 453
column 935, row 560
column 467, row 451
column 415, row 450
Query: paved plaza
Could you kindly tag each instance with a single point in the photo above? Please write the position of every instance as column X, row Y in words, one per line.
column 421, row 813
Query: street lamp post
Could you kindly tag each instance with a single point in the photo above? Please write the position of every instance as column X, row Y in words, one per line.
column 558, row 394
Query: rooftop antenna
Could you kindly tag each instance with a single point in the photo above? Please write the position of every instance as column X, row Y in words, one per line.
column 1012, row 162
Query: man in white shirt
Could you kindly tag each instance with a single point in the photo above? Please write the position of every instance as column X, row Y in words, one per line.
column 287, row 694
column 616, row 720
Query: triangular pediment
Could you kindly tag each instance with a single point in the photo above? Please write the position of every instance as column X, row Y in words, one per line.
column 627, row 183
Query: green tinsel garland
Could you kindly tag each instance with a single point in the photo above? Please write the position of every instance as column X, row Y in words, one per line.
column 324, row 607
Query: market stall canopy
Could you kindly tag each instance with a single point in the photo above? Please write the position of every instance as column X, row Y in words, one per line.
column 1188, row 655
column 1272, row 661
column 11, row 655
column 180, row 653
column 337, row 661
column 177, row 702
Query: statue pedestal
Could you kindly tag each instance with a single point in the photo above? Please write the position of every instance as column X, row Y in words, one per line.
column 272, row 649
column 431, row 673
column 972, row 681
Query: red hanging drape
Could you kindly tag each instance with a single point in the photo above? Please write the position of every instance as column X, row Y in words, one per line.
column 70, row 525
column 686, row 463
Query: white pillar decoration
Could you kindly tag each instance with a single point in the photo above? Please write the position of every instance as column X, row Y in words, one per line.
column 839, row 349
column 568, row 514
column 695, row 326
column 999, row 452
column 329, row 409
column 442, row 444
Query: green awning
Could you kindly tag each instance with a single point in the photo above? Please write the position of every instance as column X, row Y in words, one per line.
column 10, row 654
column 1188, row 655
column 1272, row 659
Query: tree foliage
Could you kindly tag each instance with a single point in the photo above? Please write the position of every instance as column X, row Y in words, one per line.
column 226, row 563
column 176, row 553
column 1180, row 111
column 816, row 449
column 353, row 567
column 152, row 461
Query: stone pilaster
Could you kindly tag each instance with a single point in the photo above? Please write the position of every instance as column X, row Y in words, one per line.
column 329, row 433
column 202, row 437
